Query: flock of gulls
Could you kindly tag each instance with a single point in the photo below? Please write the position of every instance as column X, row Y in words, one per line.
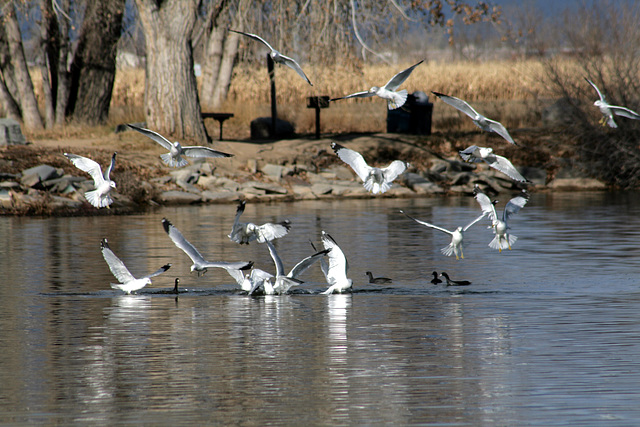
column 376, row 180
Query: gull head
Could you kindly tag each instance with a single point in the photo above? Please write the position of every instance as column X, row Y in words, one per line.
column 598, row 103
column 374, row 89
column 112, row 184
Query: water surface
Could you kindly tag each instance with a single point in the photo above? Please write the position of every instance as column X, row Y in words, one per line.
column 548, row 333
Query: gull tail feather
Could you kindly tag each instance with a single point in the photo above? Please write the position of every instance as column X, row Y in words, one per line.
column 398, row 100
column 375, row 187
column 501, row 243
column 447, row 250
column 168, row 160
column 94, row 198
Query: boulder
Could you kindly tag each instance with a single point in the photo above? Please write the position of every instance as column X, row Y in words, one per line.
column 10, row 132
column 179, row 197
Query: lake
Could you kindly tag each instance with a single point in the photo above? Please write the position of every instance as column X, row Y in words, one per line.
column 547, row 334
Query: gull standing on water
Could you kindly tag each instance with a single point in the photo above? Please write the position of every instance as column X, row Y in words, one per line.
column 277, row 56
column 100, row 196
column 388, row 91
column 176, row 150
column 128, row 283
column 609, row 110
column 199, row 263
column 337, row 268
column 283, row 282
column 457, row 236
column 481, row 121
column 499, row 163
column 375, row 180
column 246, row 232
column 503, row 239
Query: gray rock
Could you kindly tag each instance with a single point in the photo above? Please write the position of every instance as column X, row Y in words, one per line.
column 220, row 196
column 179, row 197
column 10, row 132
column 571, row 184
column 427, row 188
column 33, row 177
column 321, row 188
column 264, row 186
column 275, row 171
column 342, row 172
column 412, row 179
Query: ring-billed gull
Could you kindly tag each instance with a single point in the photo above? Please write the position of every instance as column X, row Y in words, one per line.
column 246, row 232
column 451, row 282
column 199, row 263
column 378, row 280
column 128, row 283
column 499, row 163
column 503, row 239
column 481, row 121
column 337, row 268
column 388, row 91
column 375, row 180
column 277, row 56
column 435, row 279
column 457, row 236
column 100, row 196
column 609, row 110
column 174, row 157
column 283, row 282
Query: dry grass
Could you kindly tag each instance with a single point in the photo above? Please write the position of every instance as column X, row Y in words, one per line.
column 509, row 91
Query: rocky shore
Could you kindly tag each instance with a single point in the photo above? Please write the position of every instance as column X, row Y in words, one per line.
column 36, row 179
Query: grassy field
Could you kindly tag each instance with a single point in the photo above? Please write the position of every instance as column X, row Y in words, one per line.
column 510, row 91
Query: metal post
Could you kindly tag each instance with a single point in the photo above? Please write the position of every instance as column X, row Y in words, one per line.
column 272, row 78
column 318, row 122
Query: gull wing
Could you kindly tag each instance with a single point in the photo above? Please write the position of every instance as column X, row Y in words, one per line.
column 503, row 165
column 468, row 226
column 624, row 112
column 470, row 154
column 487, row 206
column 338, row 265
column 116, row 266
column 458, row 104
column 89, row 166
column 255, row 37
column 159, row 271
column 426, row 224
column 270, row 231
column 363, row 94
column 155, row 136
column 107, row 173
column 392, row 171
column 514, row 205
column 198, row 151
column 182, row 243
column 291, row 63
column 240, row 265
column 305, row 263
column 353, row 159
column 399, row 78
column 276, row 259
column 602, row 98
column 498, row 128
column 236, row 222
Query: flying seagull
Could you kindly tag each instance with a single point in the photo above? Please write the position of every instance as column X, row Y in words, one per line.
column 277, row 56
column 100, row 196
column 609, row 110
column 457, row 236
column 375, row 180
column 199, row 263
column 388, row 91
column 451, row 282
column 244, row 233
column 337, row 268
column 174, row 157
column 481, row 121
column 503, row 239
column 499, row 163
column 128, row 283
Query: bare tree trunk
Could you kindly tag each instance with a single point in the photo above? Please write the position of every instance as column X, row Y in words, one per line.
column 28, row 103
column 226, row 70
column 8, row 89
column 211, row 65
column 94, row 64
column 64, row 76
column 171, row 94
column 8, row 103
column 48, row 67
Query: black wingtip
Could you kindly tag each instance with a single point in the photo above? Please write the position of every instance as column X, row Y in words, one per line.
column 104, row 244
column 438, row 94
column 241, row 206
column 166, row 224
column 286, row 224
column 248, row 266
column 336, row 147
column 166, row 267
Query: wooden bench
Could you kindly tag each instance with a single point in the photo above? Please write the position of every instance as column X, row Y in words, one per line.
column 220, row 117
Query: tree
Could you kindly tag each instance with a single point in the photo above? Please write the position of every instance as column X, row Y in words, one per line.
column 171, row 96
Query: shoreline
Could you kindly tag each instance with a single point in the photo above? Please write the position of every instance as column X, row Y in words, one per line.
column 271, row 171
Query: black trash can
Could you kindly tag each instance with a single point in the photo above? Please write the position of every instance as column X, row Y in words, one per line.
column 414, row 117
